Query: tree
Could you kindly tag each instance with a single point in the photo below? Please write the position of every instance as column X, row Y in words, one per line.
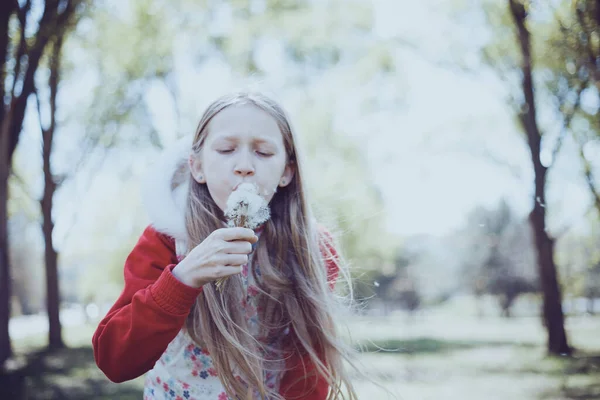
column 512, row 55
column 500, row 260
column 51, row 257
column 21, row 54
column 6, row 10
column 571, row 60
column 52, row 181
column 552, row 299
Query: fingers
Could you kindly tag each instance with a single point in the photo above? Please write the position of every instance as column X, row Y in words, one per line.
column 227, row 270
column 232, row 234
column 235, row 260
column 238, row 247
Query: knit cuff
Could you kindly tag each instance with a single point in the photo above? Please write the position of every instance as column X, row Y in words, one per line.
column 172, row 295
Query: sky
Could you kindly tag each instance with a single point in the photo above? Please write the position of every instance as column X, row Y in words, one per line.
column 450, row 146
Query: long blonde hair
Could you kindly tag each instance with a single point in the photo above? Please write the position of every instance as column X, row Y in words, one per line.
column 294, row 291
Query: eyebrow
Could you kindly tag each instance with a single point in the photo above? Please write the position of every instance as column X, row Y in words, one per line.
column 255, row 139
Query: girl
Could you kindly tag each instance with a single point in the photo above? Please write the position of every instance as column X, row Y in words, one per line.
column 269, row 332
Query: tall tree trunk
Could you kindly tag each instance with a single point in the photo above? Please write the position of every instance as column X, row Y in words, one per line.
column 6, row 10
column 552, row 301
column 52, row 286
column 5, row 279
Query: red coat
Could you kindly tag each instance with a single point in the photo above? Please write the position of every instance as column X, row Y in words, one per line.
column 153, row 308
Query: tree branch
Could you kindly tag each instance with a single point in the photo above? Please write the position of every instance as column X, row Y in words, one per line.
column 567, row 118
column 39, row 109
column 592, row 57
column 21, row 48
column 51, row 25
column 589, row 177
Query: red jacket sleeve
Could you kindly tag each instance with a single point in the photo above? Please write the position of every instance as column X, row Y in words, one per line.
column 147, row 315
column 301, row 381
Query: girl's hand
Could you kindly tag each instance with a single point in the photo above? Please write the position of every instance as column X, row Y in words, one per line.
column 220, row 255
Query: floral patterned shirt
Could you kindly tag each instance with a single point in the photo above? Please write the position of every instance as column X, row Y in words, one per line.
column 185, row 371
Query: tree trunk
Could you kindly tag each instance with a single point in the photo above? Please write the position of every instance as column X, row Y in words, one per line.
column 54, row 19
column 552, row 299
column 6, row 10
column 5, row 346
column 51, row 257
column 552, row 303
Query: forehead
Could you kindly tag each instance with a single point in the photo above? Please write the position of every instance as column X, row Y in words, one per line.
column 244, row 121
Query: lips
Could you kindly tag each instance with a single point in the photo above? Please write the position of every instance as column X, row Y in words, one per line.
column 261, row 191
column 238, row 185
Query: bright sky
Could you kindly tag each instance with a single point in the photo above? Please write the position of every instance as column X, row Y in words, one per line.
column 430, row 157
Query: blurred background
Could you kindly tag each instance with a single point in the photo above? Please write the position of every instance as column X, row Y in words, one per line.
column 453, row 146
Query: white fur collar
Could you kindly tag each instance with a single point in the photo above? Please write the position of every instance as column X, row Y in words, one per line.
column 163, row 200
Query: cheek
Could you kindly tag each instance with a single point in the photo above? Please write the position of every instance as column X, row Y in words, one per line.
column 218, row 193
column 215, row 170
column 269, row 193
column 272, row 176
column 271, row 180
column 216, row 182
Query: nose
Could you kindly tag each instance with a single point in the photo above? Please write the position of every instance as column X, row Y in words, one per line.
column 244, row 166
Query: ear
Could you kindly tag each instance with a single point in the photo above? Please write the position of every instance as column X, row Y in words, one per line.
column 196, row 169
column 288, row 175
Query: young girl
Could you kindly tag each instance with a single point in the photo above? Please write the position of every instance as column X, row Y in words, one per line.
column 269, row 331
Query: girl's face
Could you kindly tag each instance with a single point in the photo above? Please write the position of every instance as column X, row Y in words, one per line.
column 243, row 144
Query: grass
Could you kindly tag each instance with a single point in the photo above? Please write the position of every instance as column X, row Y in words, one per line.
column 440, row 356
column 481, row 373
column 70, row 373
column 426, row 345
column 431, row 356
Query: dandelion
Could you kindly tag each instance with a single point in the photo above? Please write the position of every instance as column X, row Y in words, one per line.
column 246, row 209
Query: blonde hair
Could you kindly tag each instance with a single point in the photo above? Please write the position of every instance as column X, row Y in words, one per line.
column 293, row 287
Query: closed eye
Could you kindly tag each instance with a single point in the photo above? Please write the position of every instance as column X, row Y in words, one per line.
column 225, row 151
column 264, row 154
